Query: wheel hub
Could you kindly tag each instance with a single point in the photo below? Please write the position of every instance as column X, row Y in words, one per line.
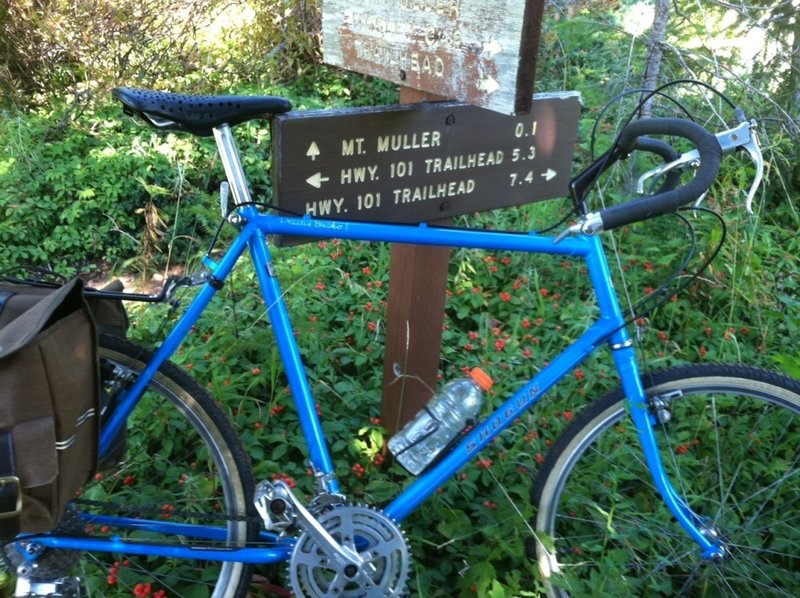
column 373, row 536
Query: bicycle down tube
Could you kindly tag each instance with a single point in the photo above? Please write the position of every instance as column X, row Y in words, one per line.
column 609, row 329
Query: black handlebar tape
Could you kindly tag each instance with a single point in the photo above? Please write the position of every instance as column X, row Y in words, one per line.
column 710, row 153
column 667, row 153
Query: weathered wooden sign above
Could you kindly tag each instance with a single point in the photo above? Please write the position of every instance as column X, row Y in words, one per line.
column 476, row 51
column 421, row 162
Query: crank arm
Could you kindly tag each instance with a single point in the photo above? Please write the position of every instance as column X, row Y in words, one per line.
column 280, row 508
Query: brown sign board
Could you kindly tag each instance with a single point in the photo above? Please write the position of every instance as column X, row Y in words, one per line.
column 421, row 162
column 476, row 51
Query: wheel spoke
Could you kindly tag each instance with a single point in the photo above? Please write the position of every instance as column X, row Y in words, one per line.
column 197, row 473
column 729, row 450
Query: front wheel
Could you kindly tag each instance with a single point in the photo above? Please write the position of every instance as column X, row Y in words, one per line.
column 732, row 451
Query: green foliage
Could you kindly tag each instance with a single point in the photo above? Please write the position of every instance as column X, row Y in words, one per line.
column 73, row 194
column 80, row 184
column 290, row 33
column 54, row 45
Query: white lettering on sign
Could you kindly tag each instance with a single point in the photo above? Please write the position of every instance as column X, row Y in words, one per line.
column 359, row 174
column 352, row 147
column 401, row 169
column 375, row 23
column 463, row 162
column 325, row 207
column 446, row 8
column 440, row 37
column 407, row 141
column 525, row 130
column 420, row 63
column 435, row 191
column 367, row 201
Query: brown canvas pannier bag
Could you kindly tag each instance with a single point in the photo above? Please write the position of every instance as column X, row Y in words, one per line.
column 49, row 403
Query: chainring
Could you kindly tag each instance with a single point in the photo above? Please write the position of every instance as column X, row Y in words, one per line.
column 375, row 537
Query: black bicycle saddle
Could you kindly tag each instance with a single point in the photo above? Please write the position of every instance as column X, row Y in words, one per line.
column 197, row 114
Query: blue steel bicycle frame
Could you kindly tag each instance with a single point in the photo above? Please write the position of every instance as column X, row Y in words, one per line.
column 609, row 328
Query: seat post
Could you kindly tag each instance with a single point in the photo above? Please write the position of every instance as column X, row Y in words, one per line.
column 232, row 164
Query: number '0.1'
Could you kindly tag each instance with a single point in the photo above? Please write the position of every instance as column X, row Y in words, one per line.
column 525, row 129
column 367, row 201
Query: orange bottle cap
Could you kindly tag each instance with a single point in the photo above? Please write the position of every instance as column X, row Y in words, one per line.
column 482, row 378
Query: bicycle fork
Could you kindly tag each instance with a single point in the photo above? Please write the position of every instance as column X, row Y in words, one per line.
column 646, row 418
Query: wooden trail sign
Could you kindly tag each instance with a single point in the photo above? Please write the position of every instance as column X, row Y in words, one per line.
column 478, row 51
column 421, row 162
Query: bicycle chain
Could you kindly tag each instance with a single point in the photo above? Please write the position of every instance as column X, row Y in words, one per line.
column 160, row 510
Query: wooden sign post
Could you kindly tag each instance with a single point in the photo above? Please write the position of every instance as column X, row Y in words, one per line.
column 414, row 316
column 477, row 51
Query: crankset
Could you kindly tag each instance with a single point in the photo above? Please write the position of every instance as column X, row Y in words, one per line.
column 344, row 550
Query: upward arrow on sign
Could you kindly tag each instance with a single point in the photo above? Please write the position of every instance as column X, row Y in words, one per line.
column 313, row 151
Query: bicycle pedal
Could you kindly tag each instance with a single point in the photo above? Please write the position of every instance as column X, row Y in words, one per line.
column 65, row 587
column 275, row 506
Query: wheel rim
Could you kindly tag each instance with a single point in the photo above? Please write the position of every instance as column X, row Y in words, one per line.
column 628, row 536
column 186, row 478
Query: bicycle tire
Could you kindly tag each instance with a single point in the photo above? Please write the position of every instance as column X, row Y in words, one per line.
column 730, row 450
column 183, row 462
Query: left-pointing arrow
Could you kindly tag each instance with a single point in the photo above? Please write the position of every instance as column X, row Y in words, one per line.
column 313, row 151
column 316, row 180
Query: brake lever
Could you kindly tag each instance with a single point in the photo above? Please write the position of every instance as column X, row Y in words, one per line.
column 740, row 136
column 753, row 148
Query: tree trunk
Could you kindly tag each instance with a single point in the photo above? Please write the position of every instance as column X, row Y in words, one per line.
column 794, row 74
column 658, row 33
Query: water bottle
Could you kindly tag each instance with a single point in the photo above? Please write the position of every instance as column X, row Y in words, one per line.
column 444, row 416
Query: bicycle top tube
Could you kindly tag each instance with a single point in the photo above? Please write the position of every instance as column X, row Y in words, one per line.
column 420, row 234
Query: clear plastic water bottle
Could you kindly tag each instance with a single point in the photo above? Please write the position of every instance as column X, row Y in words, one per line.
column 444, row 416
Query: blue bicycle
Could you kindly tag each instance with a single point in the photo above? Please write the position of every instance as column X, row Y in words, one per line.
column 722, row 521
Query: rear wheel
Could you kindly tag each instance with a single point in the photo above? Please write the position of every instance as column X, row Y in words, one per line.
column 182, row 463
column 731, row 451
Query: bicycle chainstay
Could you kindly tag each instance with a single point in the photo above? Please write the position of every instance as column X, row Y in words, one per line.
column 160, row 511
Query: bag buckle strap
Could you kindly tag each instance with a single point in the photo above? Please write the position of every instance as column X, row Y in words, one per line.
column 10, row 497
